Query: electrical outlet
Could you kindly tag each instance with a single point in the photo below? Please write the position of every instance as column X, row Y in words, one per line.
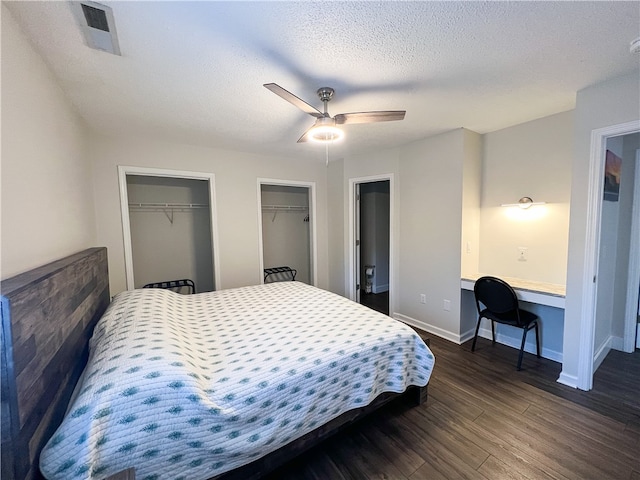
column 447, row 305
column 423, row 298
column 522, row 254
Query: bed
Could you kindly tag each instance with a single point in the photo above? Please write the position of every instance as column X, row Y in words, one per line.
column 233, row 391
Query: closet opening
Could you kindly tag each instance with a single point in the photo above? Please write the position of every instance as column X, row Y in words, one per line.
column 169, row 227
column 287, row 231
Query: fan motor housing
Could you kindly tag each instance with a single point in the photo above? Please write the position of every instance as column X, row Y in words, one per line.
column 325, row 93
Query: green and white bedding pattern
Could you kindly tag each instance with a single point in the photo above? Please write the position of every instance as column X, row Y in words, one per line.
column 191, row 386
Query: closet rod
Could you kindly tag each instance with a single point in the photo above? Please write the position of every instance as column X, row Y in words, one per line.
column 292, row 208
column 168, row 205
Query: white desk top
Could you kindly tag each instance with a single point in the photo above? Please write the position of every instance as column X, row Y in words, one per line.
column 550, row 294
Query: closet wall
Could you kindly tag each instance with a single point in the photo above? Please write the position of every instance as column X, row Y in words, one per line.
column 285, row 229
column 174, row 242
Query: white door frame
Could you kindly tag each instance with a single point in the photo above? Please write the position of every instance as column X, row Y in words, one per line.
column 633, row 279
column 352, row 265
column 123, row 171
column 312, row 222
column 592, row 246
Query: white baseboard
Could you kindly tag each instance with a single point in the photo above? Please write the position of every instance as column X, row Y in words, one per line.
column 380, row 288
column 468, row 335
column 568, row 380
column 485, row 333
column 611, row 343
column 440, row 332
column 515, row 343
column 616, row 343
column 600, row 353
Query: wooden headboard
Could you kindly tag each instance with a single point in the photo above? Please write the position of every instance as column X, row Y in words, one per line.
column 48, row 316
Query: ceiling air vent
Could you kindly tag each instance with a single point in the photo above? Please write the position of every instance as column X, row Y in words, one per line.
column 98, row 26
column 95, row 17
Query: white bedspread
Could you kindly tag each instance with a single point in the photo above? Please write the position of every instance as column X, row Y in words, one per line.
column 191, row 386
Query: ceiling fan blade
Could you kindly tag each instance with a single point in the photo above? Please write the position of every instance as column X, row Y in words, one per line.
column 369, row 117
column 305, row 136
column 291, row 98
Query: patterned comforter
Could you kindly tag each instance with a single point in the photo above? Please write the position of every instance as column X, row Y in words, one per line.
column 191, row 386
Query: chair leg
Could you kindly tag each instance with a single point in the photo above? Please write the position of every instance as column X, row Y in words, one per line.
column 475, row 337
column 493, row 332
column 524, row 338
column 537, row 340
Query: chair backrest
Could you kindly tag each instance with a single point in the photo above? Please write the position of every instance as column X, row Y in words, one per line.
column 495, row 294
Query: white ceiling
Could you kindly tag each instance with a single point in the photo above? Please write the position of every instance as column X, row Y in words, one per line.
column 193, row 72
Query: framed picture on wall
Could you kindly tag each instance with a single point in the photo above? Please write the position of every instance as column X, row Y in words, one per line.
column 612, row 170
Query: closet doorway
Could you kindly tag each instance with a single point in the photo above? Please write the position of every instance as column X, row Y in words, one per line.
column 371, row 219
column 169, row 227
column 287, row 228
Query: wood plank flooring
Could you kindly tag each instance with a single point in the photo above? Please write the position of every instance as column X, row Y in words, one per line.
column 485, row 420
column 376, row 301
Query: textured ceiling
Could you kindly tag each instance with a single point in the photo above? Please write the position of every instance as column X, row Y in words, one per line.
column 192, row 72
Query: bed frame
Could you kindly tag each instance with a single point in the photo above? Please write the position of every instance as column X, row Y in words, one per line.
column 48, row 316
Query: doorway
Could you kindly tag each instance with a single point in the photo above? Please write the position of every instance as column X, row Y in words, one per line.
column 612, row 252
column 371, row 212
column 169, row 227
column 287, row 230
column 618, row 277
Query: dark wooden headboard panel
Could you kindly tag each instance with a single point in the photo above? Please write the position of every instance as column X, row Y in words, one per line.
column 48, row 316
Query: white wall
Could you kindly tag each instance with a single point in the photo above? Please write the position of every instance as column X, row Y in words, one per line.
column 428, row 217
column 236, row 177
column 373, row 164
column 336, row 186
column 47, row 200
column 533, row 160
column 631, row 143
column 471, row 197
column 606, row 281
column 431, row 173
column 610, row 103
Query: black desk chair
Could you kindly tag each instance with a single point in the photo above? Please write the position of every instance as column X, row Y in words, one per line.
column 501, row 305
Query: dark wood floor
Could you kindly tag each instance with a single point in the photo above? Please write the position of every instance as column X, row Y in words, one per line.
column 485, row 420
column 376, row 301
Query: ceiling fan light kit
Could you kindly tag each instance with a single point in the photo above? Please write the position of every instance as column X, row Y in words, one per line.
column 324, row 130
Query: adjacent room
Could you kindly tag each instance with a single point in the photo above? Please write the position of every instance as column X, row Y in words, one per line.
column 307, row 174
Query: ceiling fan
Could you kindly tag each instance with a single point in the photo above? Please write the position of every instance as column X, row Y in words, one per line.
column 325, row 129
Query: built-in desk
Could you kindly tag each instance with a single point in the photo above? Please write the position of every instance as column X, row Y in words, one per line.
column 542, row 293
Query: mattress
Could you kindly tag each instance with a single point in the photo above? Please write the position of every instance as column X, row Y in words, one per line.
column 191, row 386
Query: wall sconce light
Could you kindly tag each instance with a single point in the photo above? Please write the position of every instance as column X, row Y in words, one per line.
column 524, row 203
